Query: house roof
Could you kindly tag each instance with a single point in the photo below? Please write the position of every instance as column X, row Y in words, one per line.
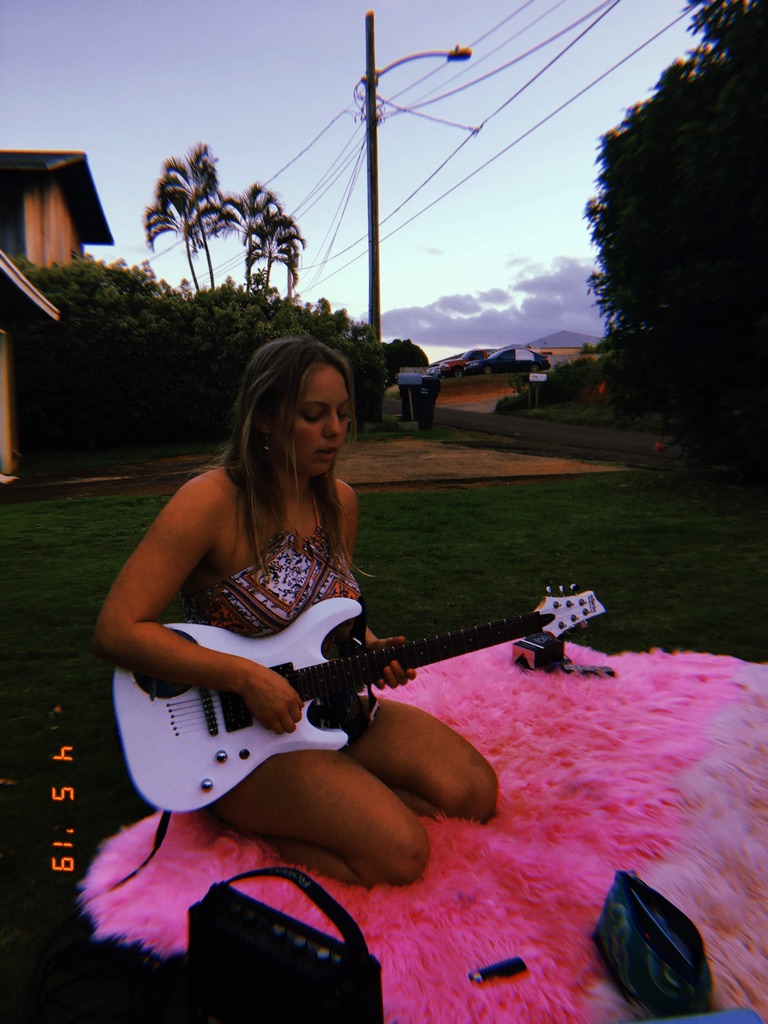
column 19, row 299
column 73, row 174
column 565, row 339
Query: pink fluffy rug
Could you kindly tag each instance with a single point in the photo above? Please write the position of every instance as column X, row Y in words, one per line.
column 661, row 770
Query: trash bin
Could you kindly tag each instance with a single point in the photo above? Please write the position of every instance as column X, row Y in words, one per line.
column 425, row 399
column 409, row 384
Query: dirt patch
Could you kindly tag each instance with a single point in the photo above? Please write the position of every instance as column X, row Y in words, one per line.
column 474, row 389
column 422, row 463
column 404, row 462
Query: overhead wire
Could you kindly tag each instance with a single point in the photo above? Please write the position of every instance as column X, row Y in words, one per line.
column 232, row 261
column 309, row 146
column 610, row 4
column 539, row 124
column 472, row 45
column 510, row 146
column 340, row 212
column 526, row 85
column 349, row 188
column 467, row 68
column 321, row 188
column 473, row 130
column 318, row 190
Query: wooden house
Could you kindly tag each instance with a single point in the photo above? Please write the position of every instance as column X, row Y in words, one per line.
column 49, row 210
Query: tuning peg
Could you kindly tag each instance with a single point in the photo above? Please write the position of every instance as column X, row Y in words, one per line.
column 561, row 588
column 549, row 591
column 574, row 588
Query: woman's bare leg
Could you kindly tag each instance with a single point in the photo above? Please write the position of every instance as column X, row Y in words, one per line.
column 321, row 809
column 353, row 814
column 432, row 768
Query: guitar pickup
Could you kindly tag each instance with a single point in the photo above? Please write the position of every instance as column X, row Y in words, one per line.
column 283, row 670
column 235, row 712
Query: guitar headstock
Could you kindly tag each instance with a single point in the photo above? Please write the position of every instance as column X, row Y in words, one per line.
column 570, row 609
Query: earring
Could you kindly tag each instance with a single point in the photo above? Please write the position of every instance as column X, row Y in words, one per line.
column 265, row 441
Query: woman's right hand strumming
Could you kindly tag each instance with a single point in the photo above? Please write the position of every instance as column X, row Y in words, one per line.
column 270, row 698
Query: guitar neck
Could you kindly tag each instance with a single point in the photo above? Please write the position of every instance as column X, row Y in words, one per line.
column 366, row 667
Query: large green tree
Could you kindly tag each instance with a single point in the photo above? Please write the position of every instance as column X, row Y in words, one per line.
column 401, row 352
column 188, row 202
column 681, row 225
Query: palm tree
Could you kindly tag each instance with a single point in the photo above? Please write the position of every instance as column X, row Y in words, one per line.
column 248, row 211
column 188, row 202
column 277, row 239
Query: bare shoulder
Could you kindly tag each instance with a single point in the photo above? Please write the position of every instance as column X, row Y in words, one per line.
column 350, row 516
column 209, row 494
column 347, row 498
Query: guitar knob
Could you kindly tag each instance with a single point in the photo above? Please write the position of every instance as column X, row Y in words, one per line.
column 221, row 756
column 206, row 785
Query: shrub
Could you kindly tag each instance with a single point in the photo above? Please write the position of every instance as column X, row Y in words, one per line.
column 133, row 361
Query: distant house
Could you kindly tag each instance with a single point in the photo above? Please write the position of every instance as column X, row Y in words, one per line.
column 20, row 301
column 49, row 210
column 563, row 346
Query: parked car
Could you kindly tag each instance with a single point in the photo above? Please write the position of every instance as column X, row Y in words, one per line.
column 509, row 360
column 454, row 366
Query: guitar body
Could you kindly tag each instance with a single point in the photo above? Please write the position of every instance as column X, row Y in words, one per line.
column 178, row 751
column 185, row 747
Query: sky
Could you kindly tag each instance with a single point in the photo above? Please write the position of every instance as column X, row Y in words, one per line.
column 484, row 240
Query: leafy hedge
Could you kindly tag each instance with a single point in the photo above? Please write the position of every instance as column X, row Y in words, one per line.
column 133, row 361
column 580, row 380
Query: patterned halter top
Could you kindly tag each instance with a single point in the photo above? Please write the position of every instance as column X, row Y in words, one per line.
column 298, row 575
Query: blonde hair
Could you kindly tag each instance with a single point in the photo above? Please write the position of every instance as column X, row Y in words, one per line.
column 272, row 389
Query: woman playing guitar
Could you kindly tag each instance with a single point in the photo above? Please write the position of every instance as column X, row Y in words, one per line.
column 251, row 545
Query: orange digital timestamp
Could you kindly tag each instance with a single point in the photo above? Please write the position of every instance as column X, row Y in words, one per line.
column 61, row 794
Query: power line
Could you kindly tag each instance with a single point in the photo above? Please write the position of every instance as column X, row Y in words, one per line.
column 539, row 124
column 506, row 149
column 309, row 146
column 340, row 212
column 613, row 3
column 305, row 205
column 467, row 68
column 522, row 56
column 472, row 45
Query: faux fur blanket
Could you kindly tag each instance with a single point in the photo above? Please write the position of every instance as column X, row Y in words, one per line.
column 661, row 769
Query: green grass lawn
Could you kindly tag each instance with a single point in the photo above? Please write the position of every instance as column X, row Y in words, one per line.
column 677, row 559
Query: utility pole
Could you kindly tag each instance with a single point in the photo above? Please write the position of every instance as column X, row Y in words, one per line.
column 371, row 136
column 371, row 117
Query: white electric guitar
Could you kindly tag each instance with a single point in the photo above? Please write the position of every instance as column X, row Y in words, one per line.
column 185, row 746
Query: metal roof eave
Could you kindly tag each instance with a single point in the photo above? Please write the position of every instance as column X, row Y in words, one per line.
column 19, row 295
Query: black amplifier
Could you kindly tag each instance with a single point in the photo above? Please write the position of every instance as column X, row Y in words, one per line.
column 251, row 962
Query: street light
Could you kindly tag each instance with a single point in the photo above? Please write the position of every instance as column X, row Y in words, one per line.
column 370, row 80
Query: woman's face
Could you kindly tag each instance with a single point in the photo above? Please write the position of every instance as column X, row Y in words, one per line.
column 321, row 423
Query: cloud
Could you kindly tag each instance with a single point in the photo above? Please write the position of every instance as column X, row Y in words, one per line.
column 538, row 301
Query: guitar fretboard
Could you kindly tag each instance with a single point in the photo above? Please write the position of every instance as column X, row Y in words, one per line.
column 359, row 670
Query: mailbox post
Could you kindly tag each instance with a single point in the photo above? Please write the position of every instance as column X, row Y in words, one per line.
column 537, row 379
